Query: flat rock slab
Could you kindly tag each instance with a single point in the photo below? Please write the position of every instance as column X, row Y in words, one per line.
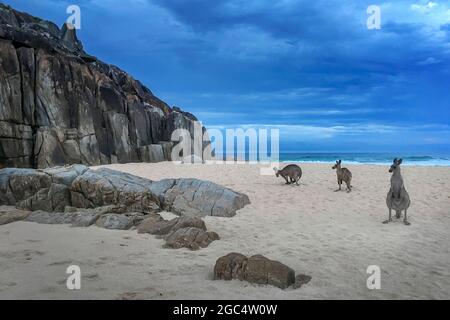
column 10, row 214
column 76, row 219
column 119, row 221
column 255, row 269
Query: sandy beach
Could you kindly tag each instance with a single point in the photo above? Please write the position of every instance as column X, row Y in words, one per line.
column 331, row 236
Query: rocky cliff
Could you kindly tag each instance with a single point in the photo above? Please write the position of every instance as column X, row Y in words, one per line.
column 59, row 105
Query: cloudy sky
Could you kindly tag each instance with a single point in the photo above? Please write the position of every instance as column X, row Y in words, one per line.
column 309, row 68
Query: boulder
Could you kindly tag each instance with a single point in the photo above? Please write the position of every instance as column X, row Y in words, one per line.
column 147, row 224
column 54, row 198
column 20, row 184
column 102, row 187
column 157, row 226
column 191, row 237
column 203, row 198
column 262, row 270
column 54, row 189
column 38, row 190
column 229, row 267
column 255, row 269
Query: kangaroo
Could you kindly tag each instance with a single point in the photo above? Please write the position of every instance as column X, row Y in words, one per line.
column 397, row 198
column 343, row 174
column 292, row 171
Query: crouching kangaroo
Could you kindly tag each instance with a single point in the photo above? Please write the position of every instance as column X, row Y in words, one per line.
column 343, row 175
column 397, row 198
column 291, row 173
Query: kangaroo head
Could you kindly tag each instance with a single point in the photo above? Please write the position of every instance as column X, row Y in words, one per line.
column 277, row 172
column 337, row 165
column 396, row 164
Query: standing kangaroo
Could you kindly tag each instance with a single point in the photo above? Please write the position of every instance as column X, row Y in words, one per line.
column 397, row 198
column 343, row 174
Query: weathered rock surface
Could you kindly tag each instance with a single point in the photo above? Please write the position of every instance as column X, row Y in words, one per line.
column 56, row 189
column 59, row 105
column 159, row 226
column 10, row 214
column 201, row 198
column 76, row 219
column 255, row 269
column 119, row 221
column 38, row 189
column 102, row 187
column 191, row 237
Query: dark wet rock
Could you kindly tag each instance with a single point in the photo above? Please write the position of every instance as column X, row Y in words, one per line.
column 191, row 237
column 59, row 105
column 255, row 269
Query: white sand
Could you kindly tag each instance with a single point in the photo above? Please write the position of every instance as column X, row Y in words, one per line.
column 332, row 236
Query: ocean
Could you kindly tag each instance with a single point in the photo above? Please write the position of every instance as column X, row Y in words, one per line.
column 366, row 158
column 359, row 158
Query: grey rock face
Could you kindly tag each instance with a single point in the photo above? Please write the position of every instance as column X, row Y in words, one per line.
column 102, row 187
column 55, row 189
column 119, row 221
column 203, row 198
column 255, row 269
column 151, row 153
column 59, row 105
column 38, row 189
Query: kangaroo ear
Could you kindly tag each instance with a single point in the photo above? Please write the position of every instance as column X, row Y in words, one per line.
column 340, row 161
column 275, row 169
column 400, row 161
column 395, row 160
